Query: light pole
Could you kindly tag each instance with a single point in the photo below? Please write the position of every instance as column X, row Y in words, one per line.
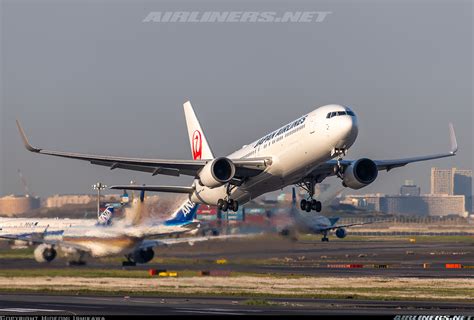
column 98, row 186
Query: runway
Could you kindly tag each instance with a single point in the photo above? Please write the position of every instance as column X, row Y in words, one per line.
column 267, row 256
column 104, row 305
column 391, row 258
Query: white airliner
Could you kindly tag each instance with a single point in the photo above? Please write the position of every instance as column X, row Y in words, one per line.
column 304, row 152
column 103, row 239
column 28, row 227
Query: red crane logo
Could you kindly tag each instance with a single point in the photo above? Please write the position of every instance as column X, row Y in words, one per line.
column 197, row 145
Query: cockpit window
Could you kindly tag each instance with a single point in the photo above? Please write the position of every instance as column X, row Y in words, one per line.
column 340, row 113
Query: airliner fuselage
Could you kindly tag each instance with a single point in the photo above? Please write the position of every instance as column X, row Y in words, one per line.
column 296, row 149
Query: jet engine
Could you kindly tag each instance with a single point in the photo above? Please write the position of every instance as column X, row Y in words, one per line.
column 341, row 233
column 360, row 174
column 142, row 256
column 44, row 253
column 217, row 172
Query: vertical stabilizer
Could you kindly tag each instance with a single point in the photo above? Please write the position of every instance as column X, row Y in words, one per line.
column 105, row 217
column 199, row 147
column 184, row 214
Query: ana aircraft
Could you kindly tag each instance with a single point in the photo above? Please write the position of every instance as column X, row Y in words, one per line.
column 304, row 152
column 304, row 223
column 131, row 239
column 30, row 227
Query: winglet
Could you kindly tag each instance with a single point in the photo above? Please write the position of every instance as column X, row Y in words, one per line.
column 452, row 137
column 28, row 146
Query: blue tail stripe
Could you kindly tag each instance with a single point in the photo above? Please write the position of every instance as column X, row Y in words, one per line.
column 186, row 213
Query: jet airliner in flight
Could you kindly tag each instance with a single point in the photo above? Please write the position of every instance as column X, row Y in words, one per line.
column 303, row 152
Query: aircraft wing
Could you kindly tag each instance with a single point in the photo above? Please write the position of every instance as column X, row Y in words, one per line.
column 244, row 167
column 189, row 240
column 327, row 169
column 338, row 226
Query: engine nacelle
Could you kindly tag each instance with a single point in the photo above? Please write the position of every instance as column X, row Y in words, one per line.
column 360, row 174
column 217, row 172
column 143, row 256
column 44, row 253
column 341, row 233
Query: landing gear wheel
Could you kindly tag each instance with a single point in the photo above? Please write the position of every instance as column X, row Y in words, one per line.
column 316, row 205
column 308, row 184
column 325, row 239
column 220, row 204
column 303, row 205
column 228, row 205
column 225, row 206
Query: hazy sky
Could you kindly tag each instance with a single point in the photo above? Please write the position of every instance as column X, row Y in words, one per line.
column 90, row 76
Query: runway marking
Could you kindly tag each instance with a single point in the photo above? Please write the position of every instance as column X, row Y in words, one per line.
column 29, row 310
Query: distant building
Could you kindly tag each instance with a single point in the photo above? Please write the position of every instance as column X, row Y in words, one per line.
column 14, row 205
column 410, row 189
column 443, row 205
column 452, row 182
column 423, row 205
column 60, row 200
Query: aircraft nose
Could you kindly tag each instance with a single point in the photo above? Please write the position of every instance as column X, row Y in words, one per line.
column 348, row 129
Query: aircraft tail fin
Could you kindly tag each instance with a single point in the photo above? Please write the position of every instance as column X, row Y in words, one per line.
column 333, row 220
column 199, row 147
column 293, row 208
column 105, row 217
column 184, row 214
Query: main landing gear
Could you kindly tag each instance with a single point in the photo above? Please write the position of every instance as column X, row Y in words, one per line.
column 227, row 203
column 310, row 203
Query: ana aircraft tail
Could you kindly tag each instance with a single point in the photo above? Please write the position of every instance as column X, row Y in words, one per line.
column 199, row 146
column 139, row 212
column 184, row 214
column 105, row 217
